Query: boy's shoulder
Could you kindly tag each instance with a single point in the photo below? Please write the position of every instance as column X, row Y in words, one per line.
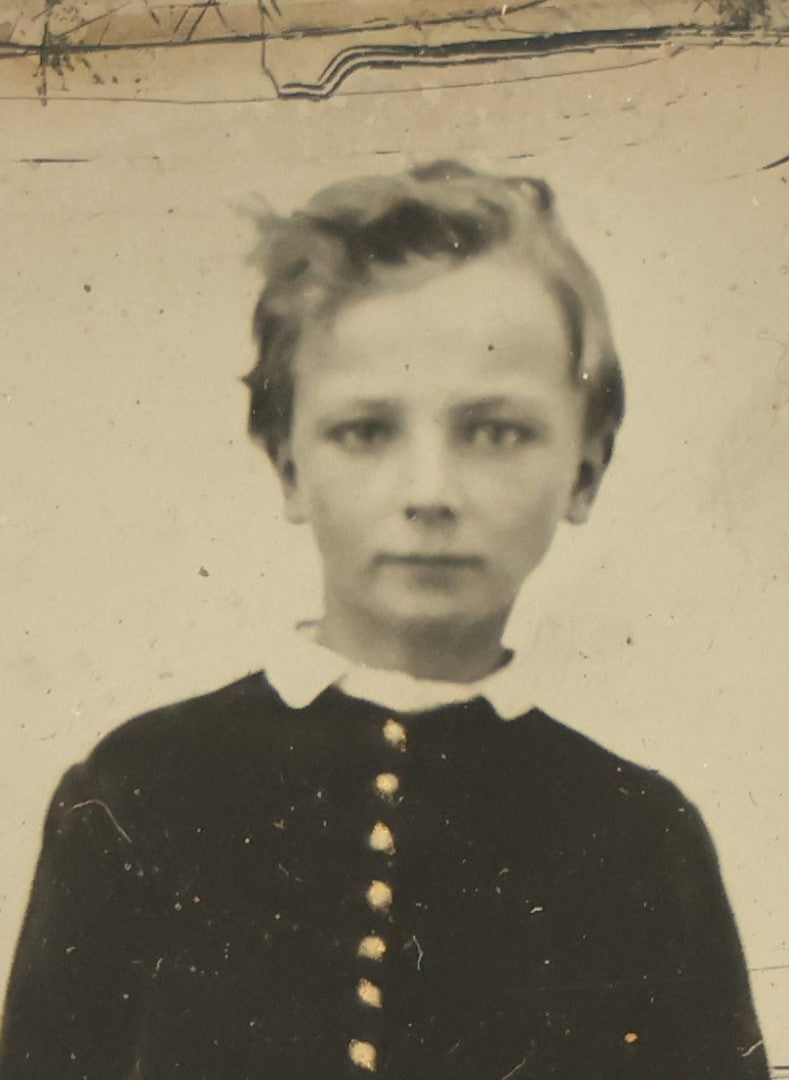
column 588, row 772
column 197, row 733
column 193, row 714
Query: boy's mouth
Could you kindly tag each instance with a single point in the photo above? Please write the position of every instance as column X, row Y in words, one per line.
column 436, row 560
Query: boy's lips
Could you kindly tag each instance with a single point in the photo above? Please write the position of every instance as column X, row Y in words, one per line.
column 436, row 559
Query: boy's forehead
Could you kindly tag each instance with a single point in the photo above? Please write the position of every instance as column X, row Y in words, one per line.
column 481, row 296
column 492, row 309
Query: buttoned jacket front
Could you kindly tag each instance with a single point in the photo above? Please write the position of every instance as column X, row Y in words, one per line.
column 234, row 889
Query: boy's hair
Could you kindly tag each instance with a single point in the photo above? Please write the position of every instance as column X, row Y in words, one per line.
column 360, row 237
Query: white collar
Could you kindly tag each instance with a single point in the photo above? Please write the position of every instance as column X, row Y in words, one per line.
column 299, row 669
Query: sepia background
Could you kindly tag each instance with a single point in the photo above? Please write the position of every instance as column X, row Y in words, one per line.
column 144, row 554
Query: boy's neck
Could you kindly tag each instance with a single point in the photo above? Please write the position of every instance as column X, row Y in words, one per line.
column 451, row 654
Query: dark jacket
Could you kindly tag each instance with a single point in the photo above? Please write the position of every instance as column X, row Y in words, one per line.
column 203, row 890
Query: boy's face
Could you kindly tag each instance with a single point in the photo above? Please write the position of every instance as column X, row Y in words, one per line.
column 436, row 443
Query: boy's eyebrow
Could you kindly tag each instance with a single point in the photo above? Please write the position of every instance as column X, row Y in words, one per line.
column 490, row 404
column 371, row 403
column 482, row 404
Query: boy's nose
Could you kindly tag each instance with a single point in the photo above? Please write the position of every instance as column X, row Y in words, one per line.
column 431, row 513
column 429, row 495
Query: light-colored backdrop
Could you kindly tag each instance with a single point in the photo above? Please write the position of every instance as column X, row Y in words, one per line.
column 144, row 556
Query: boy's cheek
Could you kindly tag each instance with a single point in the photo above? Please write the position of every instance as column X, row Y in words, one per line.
column 525, row 494
column 339, row 507
column 341, row 496
column 523, row 536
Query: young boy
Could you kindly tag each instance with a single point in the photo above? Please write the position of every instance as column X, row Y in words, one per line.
column 378, row 856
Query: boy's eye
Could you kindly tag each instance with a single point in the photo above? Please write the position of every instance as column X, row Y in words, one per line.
column 499, row 434
column 355, row 435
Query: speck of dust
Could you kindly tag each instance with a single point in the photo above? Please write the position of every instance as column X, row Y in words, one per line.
column 630, row 1037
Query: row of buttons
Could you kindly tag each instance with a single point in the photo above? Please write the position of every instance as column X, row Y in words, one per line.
column 379, row 896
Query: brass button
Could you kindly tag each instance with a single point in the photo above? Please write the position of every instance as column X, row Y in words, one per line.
column 395, row 734
column 363, row 1054
column 387, row 785
column 379, row 896
column 372, row 947
column 369, row 993
column 381, row 838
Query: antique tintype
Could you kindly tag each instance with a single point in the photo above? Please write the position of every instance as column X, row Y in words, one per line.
column 395, row 529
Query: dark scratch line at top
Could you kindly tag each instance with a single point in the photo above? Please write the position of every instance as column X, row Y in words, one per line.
column 364, row 61
column 629, row 38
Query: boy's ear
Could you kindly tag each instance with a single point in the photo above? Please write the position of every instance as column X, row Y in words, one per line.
column 289, row 482
column 587, row 483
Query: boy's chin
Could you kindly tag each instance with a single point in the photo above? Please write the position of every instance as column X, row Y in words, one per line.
column 423, row 609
